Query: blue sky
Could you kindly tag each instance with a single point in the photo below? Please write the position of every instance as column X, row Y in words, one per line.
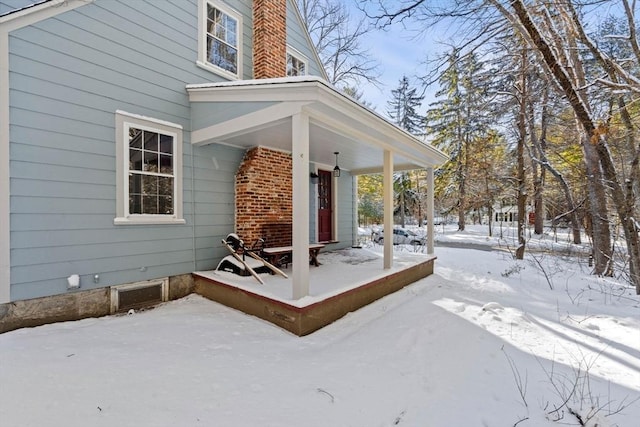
column 400, row 50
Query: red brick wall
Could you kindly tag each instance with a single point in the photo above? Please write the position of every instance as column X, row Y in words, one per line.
column 264, row 207
column 269, row 38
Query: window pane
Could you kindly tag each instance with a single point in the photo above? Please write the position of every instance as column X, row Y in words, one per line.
column 135, row 204
column 135, row 138
column 220, row 32
column 231, row 26
column 222, row 55
column 151, row 154
column 165, row 186
column 166, row 164
column 212, row 13
column 150, row 141
column 135, row 183
column 165, row 205
column 289, row 65
column 135, row 159
column 150, row 161
column 149, row 184
column 166, row 144
column 150, row 205
column 222, row 40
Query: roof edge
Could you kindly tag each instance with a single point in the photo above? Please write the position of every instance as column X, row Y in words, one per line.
column 329, row 89
column 37, row 12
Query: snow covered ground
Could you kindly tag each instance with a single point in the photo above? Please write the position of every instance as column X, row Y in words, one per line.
column 485, row 341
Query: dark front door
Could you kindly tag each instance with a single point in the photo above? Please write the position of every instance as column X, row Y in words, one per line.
column 324, row 206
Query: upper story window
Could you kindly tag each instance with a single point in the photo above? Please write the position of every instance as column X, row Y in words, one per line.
column 296, row 63
column 149, row 170
column 220, row 41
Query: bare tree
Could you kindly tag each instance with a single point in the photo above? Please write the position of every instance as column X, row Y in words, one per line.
column 595, row 136
column 555, row 31
column 337, row 38
column 539, row 157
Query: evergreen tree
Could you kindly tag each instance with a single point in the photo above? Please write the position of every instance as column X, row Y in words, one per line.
column 402, row 110
column 455, row 120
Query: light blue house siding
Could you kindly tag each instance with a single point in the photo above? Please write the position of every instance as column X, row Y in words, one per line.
column 298, row 39
column 345, row 219
column 68, row 76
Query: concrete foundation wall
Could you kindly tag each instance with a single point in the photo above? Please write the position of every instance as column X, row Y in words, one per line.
column 73, row 306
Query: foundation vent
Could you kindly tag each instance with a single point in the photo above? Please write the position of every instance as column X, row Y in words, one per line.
column 138, row 295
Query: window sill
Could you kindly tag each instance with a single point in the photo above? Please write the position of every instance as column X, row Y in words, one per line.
column 216, row 70
column 147, row 220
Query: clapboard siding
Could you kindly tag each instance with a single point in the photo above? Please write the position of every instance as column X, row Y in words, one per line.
column 78, row 253
column 68, row 75
column 71, row 237
column 214, row 197
column 58, row 205
column 39, row 138
column 136, row 268
column 135, row 262
column 56, row 157
column 132, row 90
column 297, row 39
column 345, row 212
column 62, row 173
column 46, row 187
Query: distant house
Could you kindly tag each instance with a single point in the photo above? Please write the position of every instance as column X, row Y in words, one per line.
column 134, row 135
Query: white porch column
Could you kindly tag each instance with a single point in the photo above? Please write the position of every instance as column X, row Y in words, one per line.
column 430, row 214
column 355, row 237
column 300, row 197
column 387, row 197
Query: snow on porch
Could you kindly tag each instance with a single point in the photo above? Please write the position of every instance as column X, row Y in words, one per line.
column 346, row 280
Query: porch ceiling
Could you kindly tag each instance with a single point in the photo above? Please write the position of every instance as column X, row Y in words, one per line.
column 258, row 113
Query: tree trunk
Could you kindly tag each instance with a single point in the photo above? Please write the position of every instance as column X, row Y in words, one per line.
column 521, row 199
column 593, row 137
column 602, row 250
column 462, row 188
column 624, row 207
column 540, row 147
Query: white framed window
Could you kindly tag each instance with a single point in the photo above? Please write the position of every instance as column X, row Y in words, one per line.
column 219, row 39
column 296, row 63
column 148, row 170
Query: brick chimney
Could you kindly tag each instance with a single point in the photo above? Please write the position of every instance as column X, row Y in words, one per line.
column 264, row 208
column 269, row 38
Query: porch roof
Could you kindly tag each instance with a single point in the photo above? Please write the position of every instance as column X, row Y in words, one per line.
column 249, row 113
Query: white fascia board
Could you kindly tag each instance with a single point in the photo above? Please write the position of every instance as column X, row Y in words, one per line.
column 256, row 82
column 37, row 13
column 396, row 168
column 314, row 89
column 419, row 154
column 349, row 108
